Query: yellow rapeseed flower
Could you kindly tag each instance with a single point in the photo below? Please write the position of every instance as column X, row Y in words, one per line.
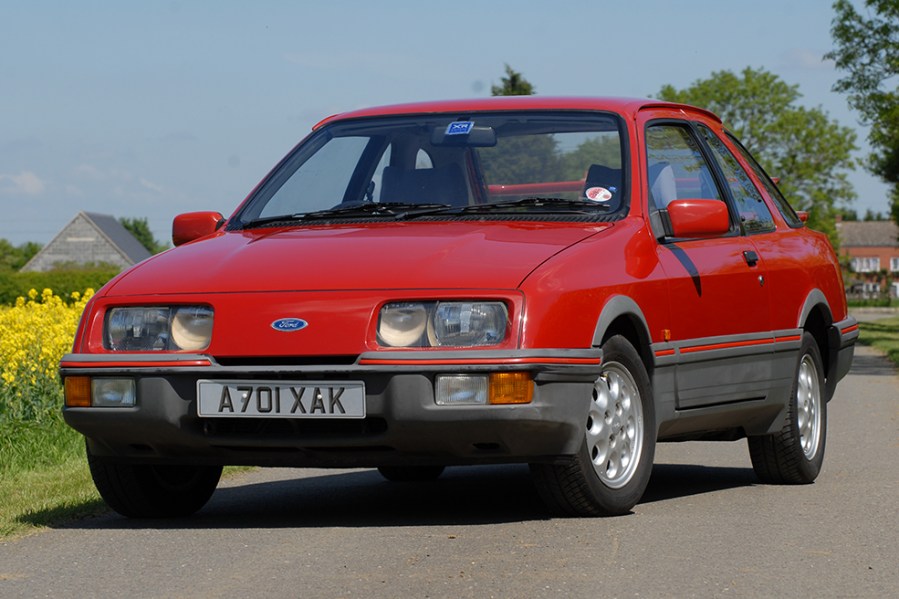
column 34, row 335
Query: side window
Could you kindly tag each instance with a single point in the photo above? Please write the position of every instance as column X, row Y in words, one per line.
column 754, row 214
column 676, row 167
column 783, row 206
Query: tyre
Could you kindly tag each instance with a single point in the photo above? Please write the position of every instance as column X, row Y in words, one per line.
column 795, row 454
column 409, row 474
column 610, row 472
column 150, row 491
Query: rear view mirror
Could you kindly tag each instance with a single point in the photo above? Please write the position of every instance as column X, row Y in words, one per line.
column 698, row 218
column 464, row 134
column 193, row 225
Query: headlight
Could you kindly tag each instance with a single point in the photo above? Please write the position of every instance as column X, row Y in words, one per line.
column 402, row 325
column 442, row 324
column 158, row 328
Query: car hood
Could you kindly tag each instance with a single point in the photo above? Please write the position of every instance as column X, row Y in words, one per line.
column 434, row 255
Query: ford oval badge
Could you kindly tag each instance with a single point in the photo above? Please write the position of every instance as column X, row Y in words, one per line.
column 288, row 325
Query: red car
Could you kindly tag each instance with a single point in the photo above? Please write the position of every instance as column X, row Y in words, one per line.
column 561, row 282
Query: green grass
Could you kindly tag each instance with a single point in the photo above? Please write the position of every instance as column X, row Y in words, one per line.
column 43, row 477
column 883, row 335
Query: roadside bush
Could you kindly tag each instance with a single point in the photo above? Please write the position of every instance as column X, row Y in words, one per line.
column 64, row 282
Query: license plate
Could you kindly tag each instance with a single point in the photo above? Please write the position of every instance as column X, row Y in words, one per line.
column 279, row 399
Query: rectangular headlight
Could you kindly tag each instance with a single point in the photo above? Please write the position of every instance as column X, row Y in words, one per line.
column 158, row 328
column 443, row 324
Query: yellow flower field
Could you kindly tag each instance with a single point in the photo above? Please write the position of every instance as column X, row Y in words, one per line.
column 34, row 335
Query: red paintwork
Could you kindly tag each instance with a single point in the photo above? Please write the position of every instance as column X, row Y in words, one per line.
column 556, row 277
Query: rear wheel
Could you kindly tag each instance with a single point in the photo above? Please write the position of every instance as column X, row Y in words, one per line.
column 795, row 454
column 609, row 474
column 153, row 491
column 408, row 474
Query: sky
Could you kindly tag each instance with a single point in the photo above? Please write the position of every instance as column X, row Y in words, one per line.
column 154, row 108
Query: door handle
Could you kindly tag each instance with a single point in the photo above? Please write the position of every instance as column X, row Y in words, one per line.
column 751, row 257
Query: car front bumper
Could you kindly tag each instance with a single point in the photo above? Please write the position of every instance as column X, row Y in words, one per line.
column 403, row 424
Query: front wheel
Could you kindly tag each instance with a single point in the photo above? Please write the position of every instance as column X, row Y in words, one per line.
column 153, row 491
column 795, row 454
column 609, row 474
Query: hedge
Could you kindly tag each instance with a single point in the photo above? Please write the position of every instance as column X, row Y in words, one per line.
column 62, row 282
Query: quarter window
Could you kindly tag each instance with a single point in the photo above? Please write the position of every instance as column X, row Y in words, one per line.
column 783, row 206
column 754, row 214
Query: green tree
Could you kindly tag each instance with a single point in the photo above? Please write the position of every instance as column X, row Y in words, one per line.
column 867, row 50
column 809, row 152
column 140, row 228
column 15, row 257
column 513, row 84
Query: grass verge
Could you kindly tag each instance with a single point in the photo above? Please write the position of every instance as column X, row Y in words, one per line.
column 43, row 477
column 883, row 335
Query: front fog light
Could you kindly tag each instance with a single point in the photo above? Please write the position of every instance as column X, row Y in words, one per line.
column 461, row 390
column 113, row 393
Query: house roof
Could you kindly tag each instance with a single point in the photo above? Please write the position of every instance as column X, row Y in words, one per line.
column 874, row 233
column 118, row 236
column 115, row 236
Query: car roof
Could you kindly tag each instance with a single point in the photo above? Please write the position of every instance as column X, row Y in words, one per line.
column 624, row 106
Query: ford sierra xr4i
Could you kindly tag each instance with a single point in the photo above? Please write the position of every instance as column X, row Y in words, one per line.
column 562, row 282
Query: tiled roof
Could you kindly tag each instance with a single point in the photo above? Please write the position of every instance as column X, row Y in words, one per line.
column 877, row 233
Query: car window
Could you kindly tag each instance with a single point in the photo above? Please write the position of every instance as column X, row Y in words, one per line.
column 676, row 168
column 754, row 214
column 783, row 206
column 321, row 181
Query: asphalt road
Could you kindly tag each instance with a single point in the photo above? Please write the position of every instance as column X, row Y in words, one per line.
column 705, row 528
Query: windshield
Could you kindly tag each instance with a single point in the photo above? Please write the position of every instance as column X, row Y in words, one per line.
column 526, row 164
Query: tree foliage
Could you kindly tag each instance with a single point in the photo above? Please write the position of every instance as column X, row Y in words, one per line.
column 809, row 152
column 513, row 84
column 867, row 50
column 140, row 228
column 15, row 257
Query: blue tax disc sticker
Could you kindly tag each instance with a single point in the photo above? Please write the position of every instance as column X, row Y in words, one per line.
column 460, row 128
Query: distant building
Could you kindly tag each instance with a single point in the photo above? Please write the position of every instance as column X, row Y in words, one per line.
column 871, row 249
column 90, row 238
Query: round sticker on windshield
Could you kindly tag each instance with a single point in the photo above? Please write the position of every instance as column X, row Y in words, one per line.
column 598, row 194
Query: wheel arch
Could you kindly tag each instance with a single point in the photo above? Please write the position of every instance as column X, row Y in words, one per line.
column 816, row 318
column 622, row 316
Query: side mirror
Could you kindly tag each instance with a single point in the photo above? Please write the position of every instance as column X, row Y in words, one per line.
column 193, row 225
column 698, row 218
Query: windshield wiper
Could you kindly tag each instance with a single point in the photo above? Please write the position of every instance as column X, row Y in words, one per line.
column 545, row 204
column 396, row 210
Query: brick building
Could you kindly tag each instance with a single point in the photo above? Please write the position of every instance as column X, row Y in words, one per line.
column 90, row 238
column 871, row 250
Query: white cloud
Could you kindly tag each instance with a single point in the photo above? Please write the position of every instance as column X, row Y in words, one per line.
column 25, row 182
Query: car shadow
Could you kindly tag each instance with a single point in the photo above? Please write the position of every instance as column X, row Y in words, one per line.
column 358, row 499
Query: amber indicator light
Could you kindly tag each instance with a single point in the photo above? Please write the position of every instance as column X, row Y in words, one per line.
column 511, row 388
column 78, row 391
